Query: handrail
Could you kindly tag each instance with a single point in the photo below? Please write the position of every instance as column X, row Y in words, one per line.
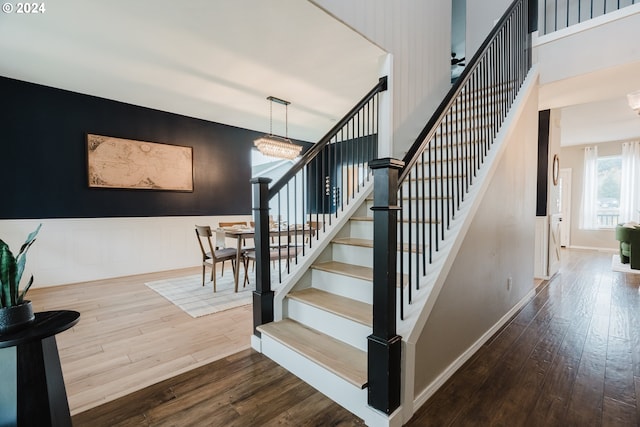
column 412, row 155
column 309, row 155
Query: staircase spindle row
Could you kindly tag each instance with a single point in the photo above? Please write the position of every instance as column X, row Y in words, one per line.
column 444, row 161
column 417, row 199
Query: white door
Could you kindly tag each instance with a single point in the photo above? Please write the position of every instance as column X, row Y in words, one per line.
column 555, row 234
column 565, row 206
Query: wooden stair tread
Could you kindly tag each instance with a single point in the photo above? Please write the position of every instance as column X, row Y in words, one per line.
column 368, row 243
column 342, row 359
column 346, row 307
column 354, row 241
column 404, row 220
column 404, row 198
column 356, row 271
column 430, row 178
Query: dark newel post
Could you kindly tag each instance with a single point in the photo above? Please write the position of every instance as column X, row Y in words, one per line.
column 533, row 15
column 263, row 295
column 384, row 345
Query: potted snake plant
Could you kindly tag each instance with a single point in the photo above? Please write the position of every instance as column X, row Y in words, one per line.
column 15, row 311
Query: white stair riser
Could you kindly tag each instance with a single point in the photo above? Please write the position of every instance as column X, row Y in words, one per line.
column 467, row 125
column 460, row 166
column 417, row 211
column 355, row 255
column 480, row 111
column 361, row 229
column 345, row 330
column 346, row 286
column 358, row 255
column 340, row 391
column 364, row 229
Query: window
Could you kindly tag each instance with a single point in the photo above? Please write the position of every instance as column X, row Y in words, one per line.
column 608, row 196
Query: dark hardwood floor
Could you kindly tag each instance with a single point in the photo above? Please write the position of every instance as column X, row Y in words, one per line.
column 570, row 357
column 244, row 389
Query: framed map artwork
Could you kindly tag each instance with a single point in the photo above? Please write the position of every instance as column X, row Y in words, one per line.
column 126, row 163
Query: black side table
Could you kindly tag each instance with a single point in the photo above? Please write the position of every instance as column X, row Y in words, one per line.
column 32, row 389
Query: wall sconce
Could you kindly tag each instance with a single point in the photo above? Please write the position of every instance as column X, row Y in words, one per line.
column 277, row 146
column 634, row 101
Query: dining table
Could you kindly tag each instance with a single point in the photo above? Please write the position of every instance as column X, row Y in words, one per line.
column 280, row 235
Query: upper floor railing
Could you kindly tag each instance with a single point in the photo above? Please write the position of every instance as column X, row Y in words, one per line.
column 559, row 14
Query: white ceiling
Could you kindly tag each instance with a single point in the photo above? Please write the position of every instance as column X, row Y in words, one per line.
column 215, row 60
column 219, row 60
column 586, row 71
column 594, row 105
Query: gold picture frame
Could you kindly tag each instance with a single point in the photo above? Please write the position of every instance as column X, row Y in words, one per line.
column 138, row 165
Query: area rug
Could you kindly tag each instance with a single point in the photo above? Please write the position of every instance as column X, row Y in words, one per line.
column 197, row 300
column 616, row 265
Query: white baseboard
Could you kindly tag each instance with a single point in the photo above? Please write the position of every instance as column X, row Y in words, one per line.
column 256, row 343
column 422, row 398
column 593, row 248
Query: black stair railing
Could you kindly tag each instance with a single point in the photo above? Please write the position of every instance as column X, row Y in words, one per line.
column 416, row 199
column 292, row 214
column 559, row 14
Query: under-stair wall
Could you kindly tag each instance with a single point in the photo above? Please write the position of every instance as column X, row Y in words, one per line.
column 492, row 274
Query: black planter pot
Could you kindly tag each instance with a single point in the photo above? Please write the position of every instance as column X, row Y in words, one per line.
column 15, row 318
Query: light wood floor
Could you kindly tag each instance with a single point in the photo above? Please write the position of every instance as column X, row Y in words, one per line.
column 130, row 337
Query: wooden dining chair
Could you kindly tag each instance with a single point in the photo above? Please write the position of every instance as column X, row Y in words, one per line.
column 213, row 256
column 224, row 224
column 279, row 253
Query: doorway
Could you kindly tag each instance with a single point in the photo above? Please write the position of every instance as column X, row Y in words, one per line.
column 564, row 184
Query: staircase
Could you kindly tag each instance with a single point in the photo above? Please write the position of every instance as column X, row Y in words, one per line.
column 327, row 317
column 327, row 314
column 324, row 326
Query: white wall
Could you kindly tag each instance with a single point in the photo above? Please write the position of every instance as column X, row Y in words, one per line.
column 611, row 38
column 78, row 250
column 481, row 18
column 418, row 35
column 498, row 245
column 573, row 157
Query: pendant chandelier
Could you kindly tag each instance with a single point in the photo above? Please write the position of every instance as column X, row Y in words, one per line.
column 277, row 146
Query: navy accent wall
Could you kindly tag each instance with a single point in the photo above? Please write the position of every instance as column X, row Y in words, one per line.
column 43, row 157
